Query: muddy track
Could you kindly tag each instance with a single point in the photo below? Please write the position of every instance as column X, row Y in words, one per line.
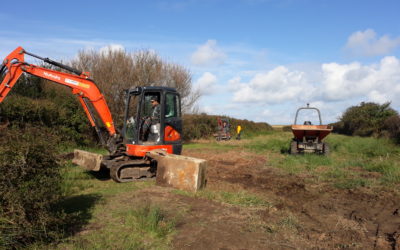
column 328, row 217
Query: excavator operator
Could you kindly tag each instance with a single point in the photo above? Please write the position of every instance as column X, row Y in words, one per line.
column 154, row 119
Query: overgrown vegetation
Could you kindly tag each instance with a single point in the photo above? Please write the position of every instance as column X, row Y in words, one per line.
column 30, row 187
column 37, row 103
column 370, row 119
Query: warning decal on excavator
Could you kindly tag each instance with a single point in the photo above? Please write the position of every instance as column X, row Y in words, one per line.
column 76, row 83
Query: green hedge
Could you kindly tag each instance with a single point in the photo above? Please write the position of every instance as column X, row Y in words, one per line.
column 204, row 126
column 62, row 115
column 29, row 188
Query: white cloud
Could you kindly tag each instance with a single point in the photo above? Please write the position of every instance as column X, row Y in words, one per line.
column 275, row 86
column 274, row 95
column 206, row 84
column 336, row 82
column 112, row 47
column 208, row 54
column 378, row 83
column 235, row 83
column 366, row 43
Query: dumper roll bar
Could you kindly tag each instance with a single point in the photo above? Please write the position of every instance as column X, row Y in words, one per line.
column 308, row 107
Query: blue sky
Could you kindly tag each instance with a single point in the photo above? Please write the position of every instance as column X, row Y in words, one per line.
column 252, row 59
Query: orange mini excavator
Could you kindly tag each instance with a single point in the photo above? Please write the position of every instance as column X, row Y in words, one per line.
column 128, row 157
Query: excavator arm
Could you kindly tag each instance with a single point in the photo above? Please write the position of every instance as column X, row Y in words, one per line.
column 85, row 89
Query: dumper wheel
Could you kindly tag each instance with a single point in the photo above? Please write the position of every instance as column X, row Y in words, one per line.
column 293, row 148
column 326, row 149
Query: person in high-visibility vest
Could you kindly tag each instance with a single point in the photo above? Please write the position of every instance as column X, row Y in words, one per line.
column 238, row 132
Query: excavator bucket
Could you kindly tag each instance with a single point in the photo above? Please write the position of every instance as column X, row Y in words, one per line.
column 88, row 160
column 177, row 171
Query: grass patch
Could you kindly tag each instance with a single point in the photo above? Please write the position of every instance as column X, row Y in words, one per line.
column 274, row 141
column 77, row 180
column 352, row 183
column 289, row 222
column 277, row 145
column 363, row 146
column 223, row 145
column 306, row 162
column 145, row 227
column 252, row 135
column 347, row 153
column 241, row 198
column 150, row 219
column 102, row 223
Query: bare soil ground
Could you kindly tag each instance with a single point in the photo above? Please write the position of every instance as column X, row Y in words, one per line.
column 302, row 214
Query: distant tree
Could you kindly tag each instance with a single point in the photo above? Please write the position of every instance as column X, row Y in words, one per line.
column 116, row 70
column 365, row 119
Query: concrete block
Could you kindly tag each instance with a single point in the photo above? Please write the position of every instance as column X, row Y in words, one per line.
column 180, row 172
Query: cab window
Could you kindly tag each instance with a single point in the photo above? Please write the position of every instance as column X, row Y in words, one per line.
column 147, row 107
column 172, row 107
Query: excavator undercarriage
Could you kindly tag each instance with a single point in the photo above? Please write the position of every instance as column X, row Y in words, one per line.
column 122, row 168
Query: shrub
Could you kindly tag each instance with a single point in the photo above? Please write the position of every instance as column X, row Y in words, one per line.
column 29, row 187
column 29, row 86
column 392, row 127
column 364, row 120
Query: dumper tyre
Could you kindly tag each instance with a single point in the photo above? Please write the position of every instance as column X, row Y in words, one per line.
column 293, row 148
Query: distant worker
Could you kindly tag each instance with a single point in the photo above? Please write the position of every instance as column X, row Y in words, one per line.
column 224, row 127
column 154, row 119
column 226, row 130
column 238, row 132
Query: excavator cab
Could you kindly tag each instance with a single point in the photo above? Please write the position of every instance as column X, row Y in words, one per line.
column 143, row 130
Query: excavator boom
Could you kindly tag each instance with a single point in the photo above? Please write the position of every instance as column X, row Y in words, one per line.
column 14, row 65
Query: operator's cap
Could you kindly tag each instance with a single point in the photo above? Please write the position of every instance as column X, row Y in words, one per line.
column 154, row 98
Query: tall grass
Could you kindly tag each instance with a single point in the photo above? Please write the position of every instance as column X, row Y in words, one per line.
column 150, row 219
column 375, row 155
